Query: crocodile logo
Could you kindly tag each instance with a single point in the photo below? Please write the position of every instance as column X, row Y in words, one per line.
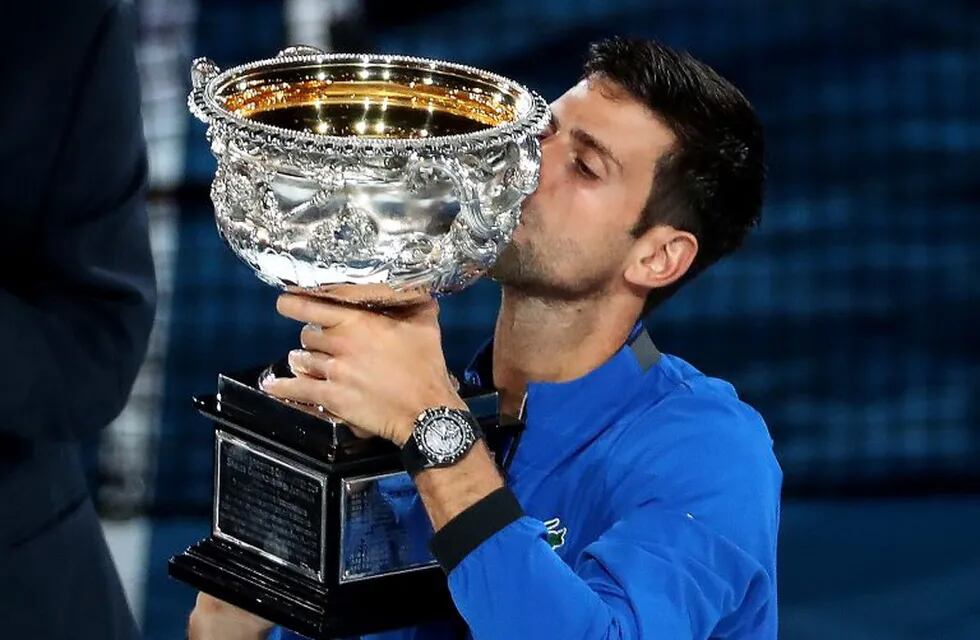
column 556, row 532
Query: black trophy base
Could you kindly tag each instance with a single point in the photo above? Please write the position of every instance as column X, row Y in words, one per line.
column 306, row 606
column 314, row 529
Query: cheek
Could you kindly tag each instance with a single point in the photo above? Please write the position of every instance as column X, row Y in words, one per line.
column 599, row 224
column 571, row 211
column 591, row 209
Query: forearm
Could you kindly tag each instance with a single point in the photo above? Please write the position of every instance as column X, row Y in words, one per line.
column 505, row 579
column 508, row 583
column 495, row 557
column 199, row 629
column 447, row 492
column 655, row 573
column 213, row 619
column 514, row 586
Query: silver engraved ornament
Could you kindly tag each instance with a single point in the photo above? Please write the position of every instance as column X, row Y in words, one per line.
column 369, row 179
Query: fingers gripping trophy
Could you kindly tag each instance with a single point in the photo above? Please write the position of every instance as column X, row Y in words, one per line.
column 371, row 180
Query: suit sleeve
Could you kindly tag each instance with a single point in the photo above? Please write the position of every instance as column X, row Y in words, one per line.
column 72, row 344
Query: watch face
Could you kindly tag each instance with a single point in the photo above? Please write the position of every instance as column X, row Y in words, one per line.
column 444, row 436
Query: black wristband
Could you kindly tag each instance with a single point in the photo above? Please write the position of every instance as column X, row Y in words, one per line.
column 464, row 533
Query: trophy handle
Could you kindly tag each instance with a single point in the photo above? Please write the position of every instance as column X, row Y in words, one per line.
column 202, row 71
column 471, row 228
column 301, row 50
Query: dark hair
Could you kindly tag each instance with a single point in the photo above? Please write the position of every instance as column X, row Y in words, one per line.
column 710, row 182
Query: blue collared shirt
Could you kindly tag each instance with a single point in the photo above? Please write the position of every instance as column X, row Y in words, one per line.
column 651, row 495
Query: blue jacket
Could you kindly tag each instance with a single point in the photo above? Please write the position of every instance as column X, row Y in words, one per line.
column 651, row 496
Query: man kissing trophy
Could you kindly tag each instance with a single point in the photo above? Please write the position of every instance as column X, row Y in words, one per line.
column 377, row 181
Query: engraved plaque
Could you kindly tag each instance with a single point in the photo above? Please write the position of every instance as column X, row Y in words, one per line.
column 269, row 504
column 384, row 527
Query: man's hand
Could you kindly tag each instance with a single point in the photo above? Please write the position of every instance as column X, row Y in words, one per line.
column 375, row 371
column 213, row 619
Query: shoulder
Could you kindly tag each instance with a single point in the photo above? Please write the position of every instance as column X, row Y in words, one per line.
column 690, row 412
column 701, row 410
column 694, row 447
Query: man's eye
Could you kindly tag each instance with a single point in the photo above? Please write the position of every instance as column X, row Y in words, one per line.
column 585, row 170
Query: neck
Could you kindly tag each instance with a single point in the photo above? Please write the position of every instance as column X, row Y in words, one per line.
column 539, row 340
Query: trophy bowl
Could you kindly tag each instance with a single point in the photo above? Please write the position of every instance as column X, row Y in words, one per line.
column 375, row 180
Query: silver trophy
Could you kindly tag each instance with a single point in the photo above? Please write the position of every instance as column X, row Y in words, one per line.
column 372, row 180
column 368, row 179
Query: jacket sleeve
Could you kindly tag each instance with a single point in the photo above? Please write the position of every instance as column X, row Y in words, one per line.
column 691, row 558
column 72, row 341
column 653, row 575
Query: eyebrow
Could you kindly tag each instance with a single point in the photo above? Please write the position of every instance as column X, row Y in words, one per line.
column 587, row 139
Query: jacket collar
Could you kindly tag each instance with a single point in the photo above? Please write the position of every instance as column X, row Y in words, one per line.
column 566, row 415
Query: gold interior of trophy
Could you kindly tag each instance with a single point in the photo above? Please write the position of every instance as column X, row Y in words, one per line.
column 370, row 101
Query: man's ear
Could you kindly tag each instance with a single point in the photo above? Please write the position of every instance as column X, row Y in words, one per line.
column 660, row 257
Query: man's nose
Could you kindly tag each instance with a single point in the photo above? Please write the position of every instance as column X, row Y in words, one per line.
column 549, row 163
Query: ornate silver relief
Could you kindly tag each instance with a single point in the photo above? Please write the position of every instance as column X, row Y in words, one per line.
column 366, row 178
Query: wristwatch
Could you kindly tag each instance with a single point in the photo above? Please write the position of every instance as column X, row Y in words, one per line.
column 441, row 437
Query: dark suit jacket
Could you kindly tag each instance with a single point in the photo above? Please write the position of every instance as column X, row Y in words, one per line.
column 76, row 302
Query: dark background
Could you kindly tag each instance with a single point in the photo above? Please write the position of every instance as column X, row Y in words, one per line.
column 849, row 319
